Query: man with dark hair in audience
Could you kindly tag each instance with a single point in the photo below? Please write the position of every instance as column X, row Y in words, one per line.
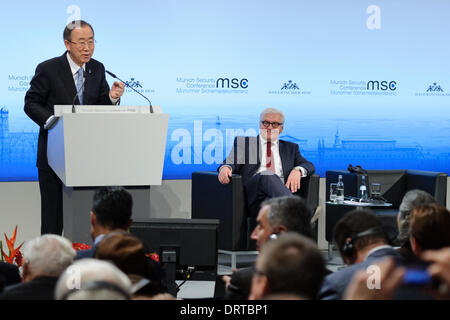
column 45, row 259
column 361, row 242
column 411, row 200
column 111, row 212
column 292, row 265
column 277, row 215
column 9, row 275
column 430, row 228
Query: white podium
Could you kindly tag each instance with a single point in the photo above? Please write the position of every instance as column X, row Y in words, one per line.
column 105, row 146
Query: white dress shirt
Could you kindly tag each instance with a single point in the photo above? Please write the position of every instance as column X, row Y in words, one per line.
column 275, row 148
column 277, row 159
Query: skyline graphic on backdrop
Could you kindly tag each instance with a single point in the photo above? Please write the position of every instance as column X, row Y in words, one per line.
column 335, row 151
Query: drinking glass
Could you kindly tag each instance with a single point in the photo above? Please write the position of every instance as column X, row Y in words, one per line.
column 375, row 190
column 333, row 192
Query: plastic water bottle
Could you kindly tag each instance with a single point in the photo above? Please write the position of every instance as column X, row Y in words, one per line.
column 363, row 189
column 340, row 190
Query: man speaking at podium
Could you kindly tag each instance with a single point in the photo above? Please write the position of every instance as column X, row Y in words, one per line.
column 73, row 78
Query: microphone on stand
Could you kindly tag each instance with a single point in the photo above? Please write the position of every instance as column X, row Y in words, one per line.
column 115, row 77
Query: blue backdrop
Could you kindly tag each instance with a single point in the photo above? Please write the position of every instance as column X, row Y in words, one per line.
column 360, row 82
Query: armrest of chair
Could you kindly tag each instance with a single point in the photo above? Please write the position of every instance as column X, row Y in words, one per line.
column 309, row 191
column 212, row 200
column 435, row 183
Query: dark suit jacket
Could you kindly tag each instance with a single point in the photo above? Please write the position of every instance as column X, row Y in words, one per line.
column 334, row 285
column 53, row 84
column 89, row 253
column 9, row 275
column 245, row 160
column 240, row 284
column 245, row 157
column 41, row 288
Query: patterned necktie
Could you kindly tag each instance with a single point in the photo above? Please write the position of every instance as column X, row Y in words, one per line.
column 270, row 163
column 80, row 85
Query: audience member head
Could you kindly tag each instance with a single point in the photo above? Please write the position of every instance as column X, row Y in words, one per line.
column 111, row 210
column 429, row 228
column 125, row 251
column 411, row 199
column 46, row 256
column 356, row 233
column 281, row 214
column 289, row 265
column 128, row 254
column 92, row 279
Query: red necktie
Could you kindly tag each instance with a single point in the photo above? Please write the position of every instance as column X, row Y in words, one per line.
column 270, row 163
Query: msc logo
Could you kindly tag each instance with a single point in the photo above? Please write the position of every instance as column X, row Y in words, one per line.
column 435, row 88
column 233, row 83
column 383, row 85
column 133, row 83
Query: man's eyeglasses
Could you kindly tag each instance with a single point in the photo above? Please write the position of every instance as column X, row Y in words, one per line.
column 275, row 125
column 82, row 44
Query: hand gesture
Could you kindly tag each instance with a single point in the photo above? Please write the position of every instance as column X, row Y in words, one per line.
column 293, row 181
column 225, row 175
column 439, row 268
column 117, row 90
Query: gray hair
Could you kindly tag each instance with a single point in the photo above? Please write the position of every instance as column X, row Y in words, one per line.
column 290, row 211
column 272, row 111
column 411, row 200
column 86, row 271
column 67, row 33
column 48, row 255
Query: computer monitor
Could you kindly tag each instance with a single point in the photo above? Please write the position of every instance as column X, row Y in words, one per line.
column 190, row 244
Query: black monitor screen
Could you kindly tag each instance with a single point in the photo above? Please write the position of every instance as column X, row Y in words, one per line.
column 193, row 240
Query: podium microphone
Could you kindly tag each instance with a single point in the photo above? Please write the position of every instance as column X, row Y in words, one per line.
column 115, row 77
